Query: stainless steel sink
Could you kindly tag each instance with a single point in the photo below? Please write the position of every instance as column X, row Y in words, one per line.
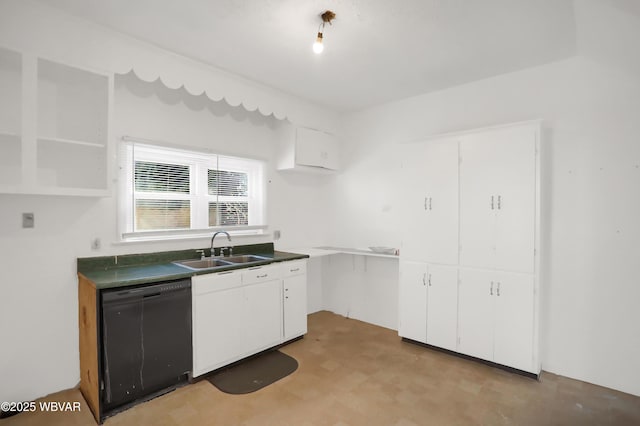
column 244, row 258
column 216, row 262
column 206, row 263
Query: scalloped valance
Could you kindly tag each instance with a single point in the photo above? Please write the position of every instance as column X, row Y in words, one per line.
column 198, row 80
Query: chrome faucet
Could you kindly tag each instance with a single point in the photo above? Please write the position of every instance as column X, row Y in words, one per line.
column 222, row 248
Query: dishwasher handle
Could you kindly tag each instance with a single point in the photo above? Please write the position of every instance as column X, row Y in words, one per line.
column 147, row 291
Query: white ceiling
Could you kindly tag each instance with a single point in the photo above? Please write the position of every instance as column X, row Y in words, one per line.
column 375, row 51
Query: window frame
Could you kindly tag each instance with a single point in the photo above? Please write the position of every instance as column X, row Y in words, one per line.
column 199, row 163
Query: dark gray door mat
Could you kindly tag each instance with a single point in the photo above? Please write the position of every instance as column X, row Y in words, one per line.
column 254, row 373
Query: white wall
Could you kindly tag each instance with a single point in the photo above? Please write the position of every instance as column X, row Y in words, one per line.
column 361, row 287
column 38, row 305
column 591, row 203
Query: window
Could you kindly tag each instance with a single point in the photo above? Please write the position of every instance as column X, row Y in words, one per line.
column 172, row 192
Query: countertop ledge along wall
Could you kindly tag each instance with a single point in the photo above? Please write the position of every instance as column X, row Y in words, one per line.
column 130, row 270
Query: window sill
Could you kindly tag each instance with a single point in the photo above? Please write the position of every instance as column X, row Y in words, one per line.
column 133, row 239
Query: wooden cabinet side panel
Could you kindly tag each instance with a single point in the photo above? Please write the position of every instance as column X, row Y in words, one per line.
column 88, row 333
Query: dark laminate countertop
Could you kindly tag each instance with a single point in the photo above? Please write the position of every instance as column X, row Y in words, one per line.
column 120, row 271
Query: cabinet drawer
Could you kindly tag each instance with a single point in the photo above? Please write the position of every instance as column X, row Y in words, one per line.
column 202, row 284
column 260, row 273
column 295, row 267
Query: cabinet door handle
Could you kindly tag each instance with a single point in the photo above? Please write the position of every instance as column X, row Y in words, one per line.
column 498, row 290
column 425, row 203
column 429, row 280
column 429, row 203
column 424, row 279
column 492, row 202
column 499, row 202
column 491, row 289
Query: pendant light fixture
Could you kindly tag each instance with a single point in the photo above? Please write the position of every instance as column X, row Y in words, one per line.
column 327, row 16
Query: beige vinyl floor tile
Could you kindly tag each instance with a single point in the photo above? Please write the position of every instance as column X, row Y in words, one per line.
column 354, row 373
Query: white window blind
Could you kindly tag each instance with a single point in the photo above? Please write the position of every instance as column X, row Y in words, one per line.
column 171, row 192
column 162, row 196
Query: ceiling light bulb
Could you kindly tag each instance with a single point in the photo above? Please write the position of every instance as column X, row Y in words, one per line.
column 318, row 47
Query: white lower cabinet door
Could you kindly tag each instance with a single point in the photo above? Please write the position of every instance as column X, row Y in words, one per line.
column 217, row 329
column 294, row 290
column 413, row 301
column 442, row 306
column 475, row 313
column 514, row 306
column 262, row 325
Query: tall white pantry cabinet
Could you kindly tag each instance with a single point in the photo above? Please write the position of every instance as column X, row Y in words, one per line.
column 469, row 255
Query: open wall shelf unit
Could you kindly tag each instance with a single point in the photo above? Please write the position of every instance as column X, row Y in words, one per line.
column 54, row 127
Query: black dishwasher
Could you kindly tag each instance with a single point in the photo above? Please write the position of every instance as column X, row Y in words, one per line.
column 146, row 342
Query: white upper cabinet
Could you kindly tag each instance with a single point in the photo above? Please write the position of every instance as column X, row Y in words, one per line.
column 429, row 191
column 308, row 150
column 54, row 127
column 498, row 198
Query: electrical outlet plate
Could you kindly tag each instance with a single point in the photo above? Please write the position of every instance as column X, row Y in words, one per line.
column 95, row 244
column 28, row 220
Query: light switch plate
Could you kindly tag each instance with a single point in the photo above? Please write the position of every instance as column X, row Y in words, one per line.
column 28, row 220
